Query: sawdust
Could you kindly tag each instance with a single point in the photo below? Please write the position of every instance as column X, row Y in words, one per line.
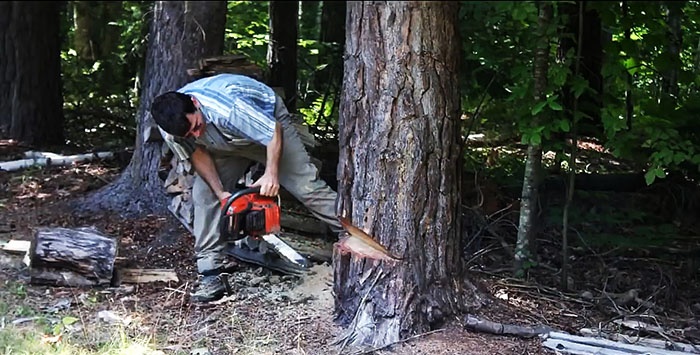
column 316, row 287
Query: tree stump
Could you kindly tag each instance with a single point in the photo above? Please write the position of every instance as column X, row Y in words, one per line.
column 72, row 257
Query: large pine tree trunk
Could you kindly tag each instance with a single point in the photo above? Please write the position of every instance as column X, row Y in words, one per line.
column 399, row 167
column 182, row 32
column 35, row 90
column 282, row 50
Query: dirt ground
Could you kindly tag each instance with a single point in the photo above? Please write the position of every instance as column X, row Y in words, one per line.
column 278, row 314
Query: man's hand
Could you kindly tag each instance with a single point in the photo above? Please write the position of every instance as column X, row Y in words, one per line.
column 269, row 184
column 223, row 197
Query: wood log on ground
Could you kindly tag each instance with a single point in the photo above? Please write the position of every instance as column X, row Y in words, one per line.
column 72, row 257
column 635, row 339
column 487, row 326
column 48, row 159
column 565, row 343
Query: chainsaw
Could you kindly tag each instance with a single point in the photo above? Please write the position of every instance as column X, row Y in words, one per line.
column 250, row 224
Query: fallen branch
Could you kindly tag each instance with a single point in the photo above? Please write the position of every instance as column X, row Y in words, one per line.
column 486, row 326
column 48, row 159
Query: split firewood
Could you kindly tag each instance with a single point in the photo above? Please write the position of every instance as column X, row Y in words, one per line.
column 146, row 275
column 16, row 246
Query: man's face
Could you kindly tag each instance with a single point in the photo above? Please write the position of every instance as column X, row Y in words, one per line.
column 197, row 124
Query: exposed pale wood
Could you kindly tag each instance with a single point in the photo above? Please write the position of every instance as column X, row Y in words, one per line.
column 53, row 159
column 650, row 342
column 147, row 275
column 72, row 257
column 16, row 246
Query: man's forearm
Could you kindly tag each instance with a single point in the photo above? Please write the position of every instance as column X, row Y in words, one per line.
column 204, row 166
column 274, row 152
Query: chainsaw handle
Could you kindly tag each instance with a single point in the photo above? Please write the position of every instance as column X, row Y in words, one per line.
column 246, row 191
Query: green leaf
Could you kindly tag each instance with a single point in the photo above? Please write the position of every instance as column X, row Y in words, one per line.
column 649, row 177
column 68, row 320
column 538, row 108
column 554, row 105
column 659, row 173
column 564, row 125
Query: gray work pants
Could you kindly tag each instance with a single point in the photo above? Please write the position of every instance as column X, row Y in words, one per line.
column 297, row 174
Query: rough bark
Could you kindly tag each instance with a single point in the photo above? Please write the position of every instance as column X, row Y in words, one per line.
column 398, row 170
column 7, row 67
column 72, row 257
column 674, row 33
column 94, row 38
column 533, row 164
column 282, row 49
column 36, row 101
column 181, row 34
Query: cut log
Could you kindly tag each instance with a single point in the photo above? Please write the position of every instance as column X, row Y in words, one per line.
column 72, row 257
column 146, row 275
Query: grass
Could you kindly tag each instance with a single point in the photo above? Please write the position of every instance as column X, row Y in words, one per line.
column 30, row 340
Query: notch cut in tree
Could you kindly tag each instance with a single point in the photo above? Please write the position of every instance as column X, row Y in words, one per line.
column 72, row 257
column 398, row 172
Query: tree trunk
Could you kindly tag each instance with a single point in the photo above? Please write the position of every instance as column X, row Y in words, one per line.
column 94, row 37
column 309, row 19
column 72, row 257
column 399, row 167
column 533, row 164
column 282, row 49
column 7, row 64
column 181, row 34
column 591, row 65
column 36, row 107
column 674, row 33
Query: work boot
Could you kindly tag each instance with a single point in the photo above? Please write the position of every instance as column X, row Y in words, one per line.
column 210, row 288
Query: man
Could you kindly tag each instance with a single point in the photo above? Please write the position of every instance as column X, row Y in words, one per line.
column 222, row 124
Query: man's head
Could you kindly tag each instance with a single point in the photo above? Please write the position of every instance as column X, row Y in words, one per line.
column 177, row 114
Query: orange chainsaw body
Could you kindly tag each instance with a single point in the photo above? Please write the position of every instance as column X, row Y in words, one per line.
column 247, row 213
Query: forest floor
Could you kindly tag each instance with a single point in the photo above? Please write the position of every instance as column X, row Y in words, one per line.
column 654, row 283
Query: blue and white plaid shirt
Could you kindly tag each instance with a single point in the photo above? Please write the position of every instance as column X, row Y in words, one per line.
column 237, row 110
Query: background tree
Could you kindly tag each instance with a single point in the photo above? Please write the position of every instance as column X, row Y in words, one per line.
column 282, row 49
column 31, row 81
column 399, row 169
column 181, row 34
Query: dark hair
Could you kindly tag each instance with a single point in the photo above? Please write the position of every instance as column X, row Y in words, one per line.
column 169, row 110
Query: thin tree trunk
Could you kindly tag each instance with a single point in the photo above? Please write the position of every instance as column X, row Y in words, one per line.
column 399, row 171
column 675, row 44
column 309, row 19
column 181, row 34
column 7, row 63
column 282, row 50
column 533, row 164
column 36, row 90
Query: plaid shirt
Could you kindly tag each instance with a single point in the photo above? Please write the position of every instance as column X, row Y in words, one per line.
column 237, row 110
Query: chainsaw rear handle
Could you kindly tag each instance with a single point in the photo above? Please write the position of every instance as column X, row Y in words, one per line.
column 234, row 197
